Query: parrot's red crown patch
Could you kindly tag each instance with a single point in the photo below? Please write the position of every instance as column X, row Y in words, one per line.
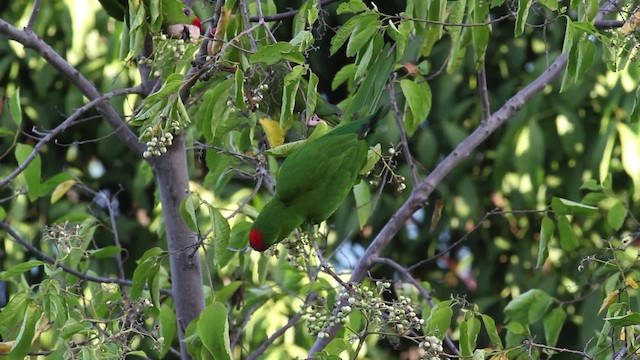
column 196, row 22
column 255, row 240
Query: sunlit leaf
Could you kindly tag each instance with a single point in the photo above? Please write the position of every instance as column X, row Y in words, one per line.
column 363, row 202
column 275, row 132
column 608, row 300
column 630, row 143
column 61, row 189
column 213, row 328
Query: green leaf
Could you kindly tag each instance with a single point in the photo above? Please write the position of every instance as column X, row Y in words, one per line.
column 291, row 84
column 546, row 232
column 24, row 339
column 362, row 34
column 170, row 87
column 549, row 4
column 368, row 94
column 591, row 185
column 562, row 206
column 492, row 331
column 586, row 57
column 61, row 190
column 480, row 34
column 223, row 295
column 148, row 263
column 553, row 324
column 271, row 54
column 346, row 73
column 20, row 268
column 105, row 252
column 365, row 60
column 418, row 96
column 630, row 143
column 312, row 94
column 616, row 215
column 436, row 12
column 215, row 111
column 11, row 314
column 239, row 97
column 521, row 16
column 439, row 319
column 624, row 320
column 73, row 327
column 469, row 330
column 188, row 213
column 363, row 202
column 221, row 234
column 15, row 109
column 568, row 239
column 31, row 173
column 346, row 31
column 399, row 37
column 353, row 6
column 529, row 307
column 213, row 328
column 167, row 326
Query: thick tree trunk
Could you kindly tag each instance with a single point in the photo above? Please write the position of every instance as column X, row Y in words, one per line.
column 186, row 278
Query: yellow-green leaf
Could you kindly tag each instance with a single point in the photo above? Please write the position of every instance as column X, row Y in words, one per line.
column 275, row 132
column 61, row 189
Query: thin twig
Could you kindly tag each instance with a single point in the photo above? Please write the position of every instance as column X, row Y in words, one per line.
column 34, row 14
column 283, row 15
column 68, row 122
column 31, row 40
column 484, row 93
column 52, row 261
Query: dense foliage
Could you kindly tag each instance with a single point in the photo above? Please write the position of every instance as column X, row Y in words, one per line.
column 495, row 216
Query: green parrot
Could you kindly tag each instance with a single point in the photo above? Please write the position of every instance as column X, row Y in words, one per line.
column 177, row 19
column 313, row 181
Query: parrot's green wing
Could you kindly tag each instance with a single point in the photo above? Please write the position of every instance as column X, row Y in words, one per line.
column 316, row 179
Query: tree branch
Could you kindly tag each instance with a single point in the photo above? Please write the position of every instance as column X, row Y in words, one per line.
column 52, row 261
column 421, row 193
column 31, row 40
column 68, row 122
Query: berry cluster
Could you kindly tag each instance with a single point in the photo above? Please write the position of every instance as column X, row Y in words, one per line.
column 398, row 314
column 297, row 255
column 432, row 347
column 158, row 146
column 251, row 97
column 166, row 51
column 389, row 164
column 66, row 238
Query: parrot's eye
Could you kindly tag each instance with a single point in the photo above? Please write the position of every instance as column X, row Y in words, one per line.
column 187, row 12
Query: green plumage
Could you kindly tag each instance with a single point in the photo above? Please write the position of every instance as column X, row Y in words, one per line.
column 172, row 11
column 313, row 182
